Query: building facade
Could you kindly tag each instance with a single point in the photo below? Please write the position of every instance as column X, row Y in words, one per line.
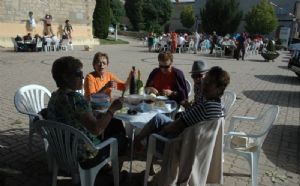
column 14, row 18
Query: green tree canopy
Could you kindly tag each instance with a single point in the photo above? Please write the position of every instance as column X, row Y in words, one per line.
column 261, row 19
column 116, row 11
column 222, row 16
column 101, row 18
column 150, row 15
column 134, row 11
column 187, row 16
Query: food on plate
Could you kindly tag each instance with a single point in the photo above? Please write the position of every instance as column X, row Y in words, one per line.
column 131, row 112
column 160, row 104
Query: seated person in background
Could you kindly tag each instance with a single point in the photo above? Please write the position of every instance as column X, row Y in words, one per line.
column 101, row 80
column 167, row 80
column 18, row 38
column 27, row 37
column 214, row 84
column 69, row 107
column 198, row 72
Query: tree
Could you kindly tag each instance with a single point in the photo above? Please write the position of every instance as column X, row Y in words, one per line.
column 150, row 15
column 116, row 11
column 101, row 18
column 134, row 11
column 156, row 13
column 187, row 16
column 222, row 16
column 261, row 19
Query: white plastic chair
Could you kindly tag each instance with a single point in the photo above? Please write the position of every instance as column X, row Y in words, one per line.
column 154, row 138
column 63, row 144
column 30, row 100
column 81, row 91
column 250, row 143
column 229, row 98
column 219, row 51
column 189, row 87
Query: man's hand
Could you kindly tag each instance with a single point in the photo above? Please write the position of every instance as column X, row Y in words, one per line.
column 166, row 92
column 151, row 90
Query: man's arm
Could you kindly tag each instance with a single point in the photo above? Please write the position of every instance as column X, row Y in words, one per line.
column 176, row 126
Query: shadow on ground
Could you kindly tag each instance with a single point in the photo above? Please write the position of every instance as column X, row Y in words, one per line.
column 281, row 147
column 283, row 67
column 256, row 60
column 291, row 80
column 274, row 97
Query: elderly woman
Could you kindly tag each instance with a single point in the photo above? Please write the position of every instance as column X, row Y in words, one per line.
column 69, row 107
column 167, row 80
column 101, row 80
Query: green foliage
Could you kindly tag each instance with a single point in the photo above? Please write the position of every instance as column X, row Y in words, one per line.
column 187, row 16
column 271, row 46
column 101, row 18
column 261, row 19
column 150, row 15
column 116, row 11
column 223, row 16
column 134, row 11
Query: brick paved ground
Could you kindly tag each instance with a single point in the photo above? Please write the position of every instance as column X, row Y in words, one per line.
column 257, row 84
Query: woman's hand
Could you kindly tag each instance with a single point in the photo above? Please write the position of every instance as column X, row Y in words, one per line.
column 111, row 84
column 151, row 90
column 116, row 105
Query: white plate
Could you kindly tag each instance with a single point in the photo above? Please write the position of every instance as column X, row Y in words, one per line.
column 162, row 97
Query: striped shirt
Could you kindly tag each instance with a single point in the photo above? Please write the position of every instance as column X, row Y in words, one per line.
column 207, row 110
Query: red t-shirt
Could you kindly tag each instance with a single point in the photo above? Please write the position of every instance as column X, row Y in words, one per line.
column 163, row 81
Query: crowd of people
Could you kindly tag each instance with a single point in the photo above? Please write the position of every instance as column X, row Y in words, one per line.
column 70, row 107
column 232, row 45
column 33, row 41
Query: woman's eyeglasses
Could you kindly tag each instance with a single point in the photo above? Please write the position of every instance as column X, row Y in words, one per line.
column 196, row 76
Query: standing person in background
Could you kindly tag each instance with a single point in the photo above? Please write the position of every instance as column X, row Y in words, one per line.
column 150, row 41
column 31, row 22
column 241, row 45
column 173, row 42
column 47, row 24
column 68, row 29
column 196, row 41
column 214, row 40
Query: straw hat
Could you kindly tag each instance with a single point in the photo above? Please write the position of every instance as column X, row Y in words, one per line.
column 199, row 66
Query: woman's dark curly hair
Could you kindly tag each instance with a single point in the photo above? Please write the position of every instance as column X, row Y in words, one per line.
column 64, row 66
column 220, row 77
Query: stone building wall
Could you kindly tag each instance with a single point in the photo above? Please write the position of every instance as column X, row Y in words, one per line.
column 14, row 16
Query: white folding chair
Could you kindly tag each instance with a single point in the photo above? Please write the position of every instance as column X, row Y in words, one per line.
column 248, row 145
column 30, row 100
column 63, row 143
column 228, row 98
column 219, row 51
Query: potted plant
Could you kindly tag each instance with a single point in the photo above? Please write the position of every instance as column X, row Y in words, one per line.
column 270, row 52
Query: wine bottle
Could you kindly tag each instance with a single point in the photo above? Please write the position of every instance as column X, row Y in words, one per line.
column 132, row 86
column 139, row 84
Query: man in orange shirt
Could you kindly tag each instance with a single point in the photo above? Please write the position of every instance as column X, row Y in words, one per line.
column 101, row 80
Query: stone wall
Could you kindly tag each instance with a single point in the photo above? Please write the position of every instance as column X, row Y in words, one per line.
column 14, row 16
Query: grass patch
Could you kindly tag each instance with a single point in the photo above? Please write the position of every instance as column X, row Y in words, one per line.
column 111, row 41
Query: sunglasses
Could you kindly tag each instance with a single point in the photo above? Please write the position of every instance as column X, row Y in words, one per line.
column 164, row 66
column 195, row 76
column 78, row 73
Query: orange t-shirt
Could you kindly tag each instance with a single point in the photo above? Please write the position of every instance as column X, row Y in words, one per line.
column 93, row 83
column 163, row 81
